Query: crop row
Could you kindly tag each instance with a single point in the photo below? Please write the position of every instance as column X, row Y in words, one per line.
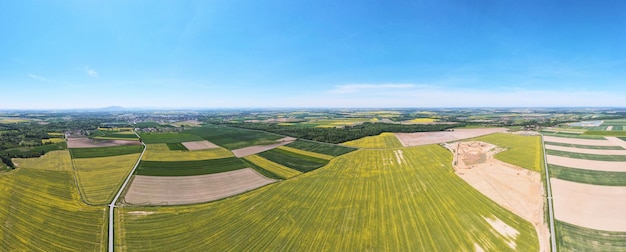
column 523, row 151
column 322, row 148
column 153, row 138
column 233, row 138
column 161, row 152
column 176, row 146
column 293, row 160
column 588, row 176
column 587, row 156
column 189, row 168
column 593, row 147
column 384, row 140
column 105, row 151
column 360, row 202
column 576, row 238
column 273, row 167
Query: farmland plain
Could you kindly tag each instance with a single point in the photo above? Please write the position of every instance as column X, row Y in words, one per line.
column 233, row 138
column 161, row 152
column 588, row 176
column 52, row 161
column 522, row 151
column 78, row 153
column 293, row 160
column 189, row 168
column 322, row 148
column 419, row 205
column 382, row 141
column 273, row 167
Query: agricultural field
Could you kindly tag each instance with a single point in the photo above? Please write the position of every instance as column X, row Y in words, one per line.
column 435, row 137
column 582, row 146
column 306, row 153
column 576, row 238
column 293, row 160
column 251, row 150
column 115, row 135
column 189, row 168
column 322, row 148
column 233, row 138
column 153, row 138
column 105, row 151
column 199, row 145
column 588, row 176
column 177, row 190
column 100, row 178
column 597, row 157
column 384, row 140
column 52, row 140
column 422, row 120
column 161, row 152
column 416, row 205
column 273, row 167
column 522, row 151
column 42, row 211
column 52, row 161
column 176, row 147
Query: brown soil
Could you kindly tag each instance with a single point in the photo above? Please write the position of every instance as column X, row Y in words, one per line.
column 585, row 151
column 616, row 141
column 84, row 142
column 247, row 151
column 178, row 190
column 587, row 164
column 591, row 206
column 199, row 145
column 599, row 142
column 424, row 138
column 514, row 188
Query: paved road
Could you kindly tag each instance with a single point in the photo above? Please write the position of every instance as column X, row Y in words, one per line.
column 117, row 196
column 549, row 190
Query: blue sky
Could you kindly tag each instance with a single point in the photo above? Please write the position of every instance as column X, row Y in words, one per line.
column 224, row 54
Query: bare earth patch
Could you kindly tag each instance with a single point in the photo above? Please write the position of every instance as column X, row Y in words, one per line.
column 424, row 138
column 514, row 188
column 247, row 151
column 616, row 141
column 178, row 190
column 609, row 128
column 599, row 142
column 587, row 164
column 199, row 145
column 83, row 142
column 591, row 206
column 586, row 151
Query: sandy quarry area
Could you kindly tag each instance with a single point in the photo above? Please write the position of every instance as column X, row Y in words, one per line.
column 247, row 151
column 424, row 138
column 83, row 142
column 178, row 190
column 199, row 145
column 579, row 141
column 516, row 189
column 585, row 151
column 587, row 164
column 591, row 206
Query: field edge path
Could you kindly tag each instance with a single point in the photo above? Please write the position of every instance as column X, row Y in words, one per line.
column 549, row 194
column 117, row 196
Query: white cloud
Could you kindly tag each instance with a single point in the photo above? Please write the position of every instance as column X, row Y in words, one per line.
column 91, row 72
column 355, row 88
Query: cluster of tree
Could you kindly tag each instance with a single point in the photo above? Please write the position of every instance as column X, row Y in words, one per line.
column 339, row 135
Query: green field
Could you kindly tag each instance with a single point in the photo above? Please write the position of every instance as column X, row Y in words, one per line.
column 382, row 141
column 588, row 176
column 52, row 161
column 579, row 136
column 359, row 202
column 147, row 125
column 323, row 148
column 189, row 168
column 605, row 133
column 585, row 146
column 575, row 238
column 282, row 171
column 523, row 151
column 598, row 157
column 118, row 135
column 41, row 211
column 153, row 138
column 100, row 178
column 37, row 149
column 105, row 151
column 293, row 160
column 306, row 153
column 161, row 152
column 176, row 146
column 233, row 138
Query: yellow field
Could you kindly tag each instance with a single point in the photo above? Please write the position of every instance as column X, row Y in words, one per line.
column 422, row 120
column 55, row 134
column 384, row 140
column 52, row 140
column 121, row 130
column 160, row 152
column 307, row 153
column 100, row 178
column 53, row 161
column 278, row 169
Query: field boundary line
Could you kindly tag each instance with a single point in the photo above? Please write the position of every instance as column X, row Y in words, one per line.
column 117, row 196
column 549, row 194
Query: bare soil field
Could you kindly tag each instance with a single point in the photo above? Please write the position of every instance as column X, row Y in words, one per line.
column 83, row 142
column 591, row 206
column 199, row 145
column 616, row 141
column 165, row 190
column 585, row 151
column 578, row 141
column 514, row 188
column 247, row 151
column 609, row 128
column 587, row 164
column 424, row 138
